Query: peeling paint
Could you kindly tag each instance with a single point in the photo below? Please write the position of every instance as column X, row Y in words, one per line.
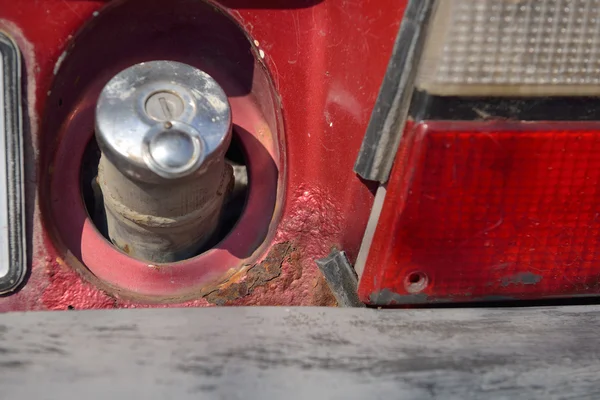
column 311, row 227
column 522, row 278
column 243, row 283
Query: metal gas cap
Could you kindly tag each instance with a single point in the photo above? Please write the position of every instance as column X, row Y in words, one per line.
column 162, row 118
column 163, row 128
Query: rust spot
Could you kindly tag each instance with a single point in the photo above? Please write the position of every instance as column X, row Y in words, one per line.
column 295, row 272
column 322, row 294
column 243, row 282
column 126, row 248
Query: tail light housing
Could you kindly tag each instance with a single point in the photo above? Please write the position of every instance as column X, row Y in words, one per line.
column 488, row 211
column 494, row 192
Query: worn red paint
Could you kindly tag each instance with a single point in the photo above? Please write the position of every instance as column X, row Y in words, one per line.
column 488, row 211
column 70, row 289
column 183, row 279
column 326, row 59
column 314, row 225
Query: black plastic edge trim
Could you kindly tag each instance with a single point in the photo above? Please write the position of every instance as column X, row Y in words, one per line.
column 385, row 127
column 455, row 108
column 341, row 278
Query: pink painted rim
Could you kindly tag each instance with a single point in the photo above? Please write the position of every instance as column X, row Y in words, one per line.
column 79, row 235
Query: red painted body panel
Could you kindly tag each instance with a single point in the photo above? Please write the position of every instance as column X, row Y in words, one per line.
column 488, row 211
column 326, row 59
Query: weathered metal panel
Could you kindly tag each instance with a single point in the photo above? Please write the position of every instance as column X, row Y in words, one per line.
column 326, row 60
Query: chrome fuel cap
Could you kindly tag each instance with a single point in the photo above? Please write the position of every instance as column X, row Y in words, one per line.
column 157, row 122
column 162, row 119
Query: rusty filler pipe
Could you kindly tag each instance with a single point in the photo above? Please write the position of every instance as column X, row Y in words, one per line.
column 163, row 128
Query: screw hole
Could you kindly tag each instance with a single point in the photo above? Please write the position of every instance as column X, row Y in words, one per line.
column 60, row 102
column 415, row 282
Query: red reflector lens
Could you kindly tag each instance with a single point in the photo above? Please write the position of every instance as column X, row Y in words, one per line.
column 482, row 211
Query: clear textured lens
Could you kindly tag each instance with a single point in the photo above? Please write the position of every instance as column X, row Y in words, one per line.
column 513, row 47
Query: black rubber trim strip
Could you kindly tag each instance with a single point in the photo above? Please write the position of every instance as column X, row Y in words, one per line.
column 425, row 107
column 11, row 58
column 384, row 131
column 341, row 278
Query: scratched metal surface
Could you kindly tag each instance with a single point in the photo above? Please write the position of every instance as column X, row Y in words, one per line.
column 249, row 353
